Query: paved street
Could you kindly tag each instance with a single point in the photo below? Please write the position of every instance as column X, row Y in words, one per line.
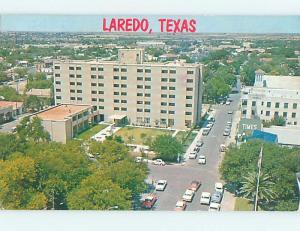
column 180, row 176
column 7, row 127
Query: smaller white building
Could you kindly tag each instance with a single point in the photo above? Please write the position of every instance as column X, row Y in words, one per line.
column 272, row 96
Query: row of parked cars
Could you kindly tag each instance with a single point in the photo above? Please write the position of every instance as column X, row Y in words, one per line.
column 193, row 154
column 227, row 129
column 213, row 200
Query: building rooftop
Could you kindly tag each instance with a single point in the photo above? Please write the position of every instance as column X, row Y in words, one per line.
column 288, row 135
column 282, row 82
column 62, row 112
column 11, row 103
column 39, row 92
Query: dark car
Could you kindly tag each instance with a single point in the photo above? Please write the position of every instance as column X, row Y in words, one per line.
column 216, row 197
column 195, row 185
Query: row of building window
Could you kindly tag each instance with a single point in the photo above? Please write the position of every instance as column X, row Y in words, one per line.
column 269, row 104
column 268, row 113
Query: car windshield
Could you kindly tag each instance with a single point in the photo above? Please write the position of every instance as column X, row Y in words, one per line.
column 160, row 183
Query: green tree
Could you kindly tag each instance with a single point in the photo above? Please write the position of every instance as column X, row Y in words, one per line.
column 9, row 145
column 167, row 147
column 10, row 94
column 265, row 190
column 33, row 103
column 96, row 192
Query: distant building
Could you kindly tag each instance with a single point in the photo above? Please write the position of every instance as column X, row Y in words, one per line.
column 272, row 96
column 154, row 44
column 17, row 107
column 167, row 57
column 264, row 136
column 167, row 94
column 287, row 136
column 43, row 93
column 6, row 114
column 64, row 122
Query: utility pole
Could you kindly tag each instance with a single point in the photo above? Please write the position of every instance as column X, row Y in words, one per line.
column 53, row 199
column 259, row 163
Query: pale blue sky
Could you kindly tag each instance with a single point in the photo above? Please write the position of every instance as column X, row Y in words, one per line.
column 261, row 7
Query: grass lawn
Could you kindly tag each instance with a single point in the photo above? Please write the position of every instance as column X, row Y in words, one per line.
column 181, row 135
column 140, row 135
column 241, row 204
column 87, row 134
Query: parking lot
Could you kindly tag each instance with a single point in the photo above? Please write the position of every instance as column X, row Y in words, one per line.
column 179, row 176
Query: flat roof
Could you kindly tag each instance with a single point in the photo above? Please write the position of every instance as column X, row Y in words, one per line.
column 288, row 135
column 11, row 104
column 62, row 112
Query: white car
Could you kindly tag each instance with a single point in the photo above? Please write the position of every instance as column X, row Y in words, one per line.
column 202, row 159
column 159, row 162
column 214, row 207
column 161, row 185
column 227, row 103
column 188, row 195
column 199, row 143
column 229, row 123
column 193, row 155
column 219, row 187
column 230, row 112
column 226, row 132
column 209, row 125
column 205, row 198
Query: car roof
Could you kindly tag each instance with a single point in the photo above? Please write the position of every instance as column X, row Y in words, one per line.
column 161, row 181
column 205, row 194
column 180, row 203
column 218, row 184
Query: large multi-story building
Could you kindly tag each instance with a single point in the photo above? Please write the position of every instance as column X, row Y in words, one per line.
column 272, row 96
column 150, row 94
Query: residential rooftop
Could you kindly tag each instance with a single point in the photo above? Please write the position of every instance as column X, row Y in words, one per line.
column 11, row 104
column 61, row 112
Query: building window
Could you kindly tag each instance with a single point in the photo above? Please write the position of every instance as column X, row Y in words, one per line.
column 94, row 92
column 79, row 91
column 268, row 113
column 293, row 115
column 71, row 68
column 139, row 102
column 190, row 72
column 72, row 76
column 100, row 77
column 276, row 114
column 164, row 71
column 123, row 101
column 101, row 84
column 172, row 88
column 116, row 85
column 72, row 91
column 57, row 67
column 123, row 86
column 253, row 103
column 286, row 105
column 244, row 102
column 188, row 123
column 147, row 79
column 189, row 80
column 244, row 112
column 140, row 70
column 72, row 98
column 72, row 83
column 123, row 109
column 147, row 110
column 57, row 75
column 78, row 68
column 123, row 93
column 172, row 80
column 147, row 70
column 116, row 108
column 93, row 84
column 188, row 113
column 123, row 78
column 123, row 70
column 116, row 69
column 172, row 112
column 93, row 76
column 164, row 79
column 116, row 101
column 147, row 103
column 58, row 97
column 172, row 71
column 57, row 82
column 285, row 114
column 164, row 96
column 147, row 95
column 147, row 87
column 94, row 99
column 139, row 94
column 101, row 100
column 116, row 77
column 163, row 111
column 277, row 105
column 172, row 96
column 172, row 104
column 100, row 69
column 100, row 92
column 164, row 88
column 294, row 106
column 139, row 78
column 58, row 90
column 188, row 105
column 269, row 104
column 139, row 110
column 163, row 103
column 101, row 107
column 189, row 97
column 79, row 83
column 116, row 93
column 79, row 98
column 93, row 68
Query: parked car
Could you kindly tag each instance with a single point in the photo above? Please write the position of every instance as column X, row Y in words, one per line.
column 202, row 159
column 230, row 112
column 195, row 185
column 205, row 131
column 226, row 132
column 214, row 207
column 205, row 198
column 199, row 143
column 219, row 187
column 161, row 185
column 180, row 205
column 193, row 155
column 188, row 195
column 216, row 197
column 227, row 102
column 222, row 148
column 209, row 125
column 159, row 162
column 229, row 123
column 149, row 201
column 196, row 149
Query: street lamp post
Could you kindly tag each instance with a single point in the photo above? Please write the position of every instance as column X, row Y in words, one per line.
column 259, row 164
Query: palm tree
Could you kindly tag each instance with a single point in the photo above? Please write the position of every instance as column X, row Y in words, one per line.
column 265, row 190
